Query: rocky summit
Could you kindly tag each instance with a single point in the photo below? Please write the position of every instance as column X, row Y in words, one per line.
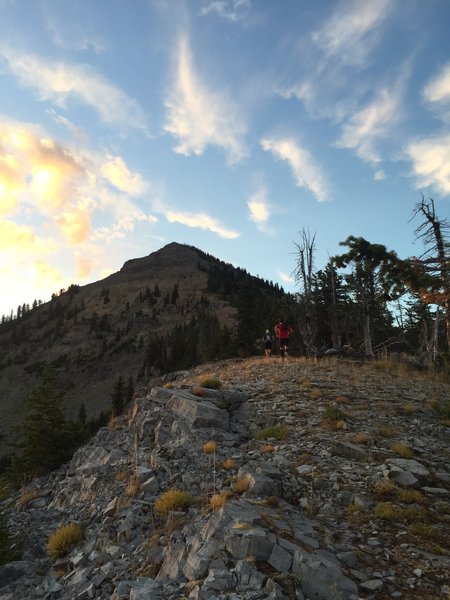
column 303, row 479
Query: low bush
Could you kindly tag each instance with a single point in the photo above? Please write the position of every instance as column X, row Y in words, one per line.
column 333, row 413
column 212, row 384
column 441, row 408
column 278, row 432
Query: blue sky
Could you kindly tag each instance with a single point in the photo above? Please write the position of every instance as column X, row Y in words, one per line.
column 230, row 125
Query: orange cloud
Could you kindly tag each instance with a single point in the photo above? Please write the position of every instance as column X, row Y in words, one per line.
column 84, row 266
column 75, row 224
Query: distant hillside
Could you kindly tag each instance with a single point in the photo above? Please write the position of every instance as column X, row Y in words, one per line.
column 170, row 310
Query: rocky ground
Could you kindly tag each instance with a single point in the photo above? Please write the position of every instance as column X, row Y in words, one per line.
column 352, row 502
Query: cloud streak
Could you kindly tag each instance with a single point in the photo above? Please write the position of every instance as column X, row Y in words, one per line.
column 198, row 117
column 306, row 172
column 353, row 30
column 371, row 124
column 437, row 92
column 201, row 221
column 59, row 82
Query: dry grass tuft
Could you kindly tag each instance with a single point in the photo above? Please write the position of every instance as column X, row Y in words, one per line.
column 343, row 400
column 383, row 487
column 410, row 409
column 387, row 431
column 241, row 525
column 218, row 501
column 121, row 476
column 209, row 447
column 172, row 499
column 402, row 450
column 409, row 496
column 64, row 539
column 306, row 382
column 266, row 448
column 393, row 512
column 242, row 484
column 228, row 464
column 168, row 386
column 27, row 496
column 360, row 438
column 424, row 530
column 134, row 486
column 315, row 394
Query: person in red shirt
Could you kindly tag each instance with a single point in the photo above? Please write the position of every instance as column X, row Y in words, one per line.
column 282, row 331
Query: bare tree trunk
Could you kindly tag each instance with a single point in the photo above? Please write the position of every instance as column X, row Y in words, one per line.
column 303, row 274
column 333, row 313
column 432, row 230
column 368, row 350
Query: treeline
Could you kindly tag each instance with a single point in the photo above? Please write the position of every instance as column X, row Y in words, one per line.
column 369, row 300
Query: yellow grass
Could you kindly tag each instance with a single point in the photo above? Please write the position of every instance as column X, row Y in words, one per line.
column 172, row 499
column 228, row 464
column 242, row 484
column 402, row 450
column 209, row 447
column 64, row 539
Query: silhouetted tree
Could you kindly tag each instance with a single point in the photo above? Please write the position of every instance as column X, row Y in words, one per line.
column 46, row 439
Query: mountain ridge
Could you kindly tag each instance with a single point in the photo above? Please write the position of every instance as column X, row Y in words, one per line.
column 325, row 511
column 174, row 307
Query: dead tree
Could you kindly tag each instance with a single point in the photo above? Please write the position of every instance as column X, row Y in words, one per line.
column 435, row 261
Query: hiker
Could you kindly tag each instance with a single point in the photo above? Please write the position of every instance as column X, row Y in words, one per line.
column 268, row 342
column 283, row 330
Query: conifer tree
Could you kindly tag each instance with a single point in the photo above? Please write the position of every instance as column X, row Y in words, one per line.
column 47, row 440
column 118, row 397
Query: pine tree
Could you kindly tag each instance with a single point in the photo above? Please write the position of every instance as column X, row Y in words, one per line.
column 47, row 440
column 118, row 397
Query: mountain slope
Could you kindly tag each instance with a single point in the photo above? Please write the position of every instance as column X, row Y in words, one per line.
column 328, row 512
column 171, row 309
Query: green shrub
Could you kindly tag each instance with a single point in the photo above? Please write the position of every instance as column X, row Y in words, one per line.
column 64, row 539
column 278, row 432
column 333, row 413
column 442, row 408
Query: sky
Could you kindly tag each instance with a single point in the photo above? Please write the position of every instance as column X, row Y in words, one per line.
column 228, row 125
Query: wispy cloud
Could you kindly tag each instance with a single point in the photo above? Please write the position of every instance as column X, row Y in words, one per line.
column 230, row 10
column 353, row 30
column 327, row 61
column 199, row 117
column 59, row 82
column 372, row 123
column 118, row 174
column 307, row 173
column 437, row 92
column 430, row 159
column 259, row 209
column 379, row 175
column 201, row 221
